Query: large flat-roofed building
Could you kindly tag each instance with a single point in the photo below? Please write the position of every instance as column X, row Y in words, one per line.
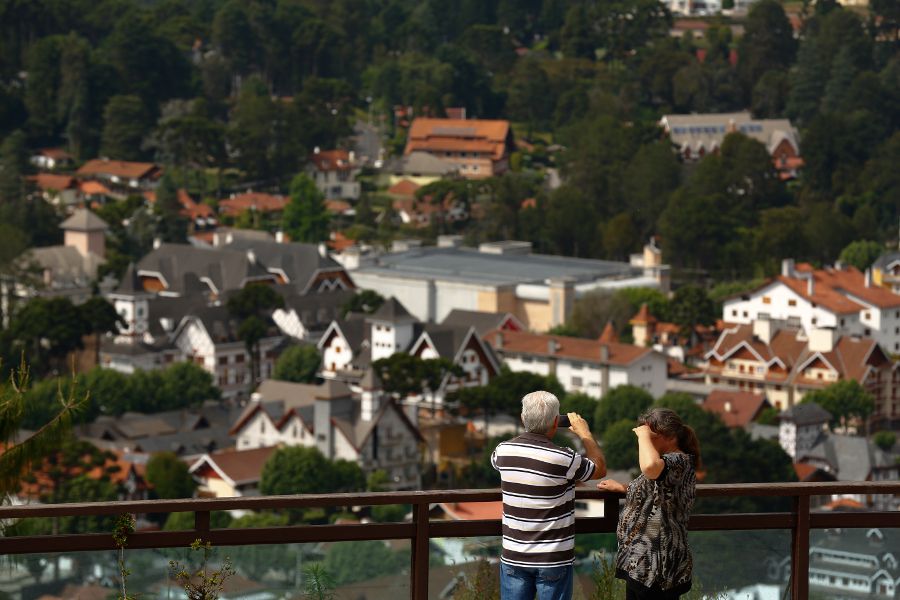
column 501, row 277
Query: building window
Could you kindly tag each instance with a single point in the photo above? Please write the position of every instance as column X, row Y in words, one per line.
column 842, row 322
column 576, row 382
column 815, row 320
column 239, row 358
column 766, row 300
column 745, row 314
column 792, row 303
column 867, row 315
column 223, row 360
column 734, row 312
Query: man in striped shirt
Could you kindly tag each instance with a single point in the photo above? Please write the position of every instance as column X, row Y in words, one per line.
column 538, row 483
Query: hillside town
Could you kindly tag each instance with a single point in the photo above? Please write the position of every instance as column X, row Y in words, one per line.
column 265, row 248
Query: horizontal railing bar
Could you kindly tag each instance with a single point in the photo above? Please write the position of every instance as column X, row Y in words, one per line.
column 431, row 496
column 742, row 522
column 218, row 537
column 437, row 529
column 854, row 520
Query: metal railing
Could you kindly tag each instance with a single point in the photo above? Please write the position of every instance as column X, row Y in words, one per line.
column 799, row 520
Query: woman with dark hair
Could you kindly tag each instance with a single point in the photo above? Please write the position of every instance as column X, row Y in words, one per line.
column 653, row 557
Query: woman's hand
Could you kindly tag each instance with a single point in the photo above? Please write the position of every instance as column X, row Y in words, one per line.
column 642, row 430
column 611, row 485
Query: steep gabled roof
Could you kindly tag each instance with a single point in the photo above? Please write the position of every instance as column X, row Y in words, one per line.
column 185, row 268
column 297, row 262
column 482, row 321
column 392, row 311
column 236, row 467
column 806, row 413
column 84, row 220
column 118, row 168
column 580, row 349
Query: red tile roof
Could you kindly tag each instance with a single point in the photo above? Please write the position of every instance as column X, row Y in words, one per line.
column 521, row 342
column 94, row 188
column 337, row 207
column 340, row 242
column 256, row 200
column 51, row 181
column 736, row 408
column 240, row 466
column 118, row 168
column 404, row 187
column 55, row 153
column 332, row 160
column 609, row 334
column 473, row 511
column 472, row 135
column 643, row 316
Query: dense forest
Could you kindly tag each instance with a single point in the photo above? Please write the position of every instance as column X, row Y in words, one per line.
column 250, row 87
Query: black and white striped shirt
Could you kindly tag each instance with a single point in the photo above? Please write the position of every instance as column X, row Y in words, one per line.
column 538, row 484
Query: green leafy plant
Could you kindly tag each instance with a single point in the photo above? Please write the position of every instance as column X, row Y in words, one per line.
column 484, row 584
column 319, row 584
column 202, row 583
column 123, row 528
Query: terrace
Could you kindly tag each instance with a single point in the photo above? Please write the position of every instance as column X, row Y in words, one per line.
column 795, row 525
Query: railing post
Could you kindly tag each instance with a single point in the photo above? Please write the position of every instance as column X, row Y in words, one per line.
column 800, row 549
column 201, row 522
column 419, row 570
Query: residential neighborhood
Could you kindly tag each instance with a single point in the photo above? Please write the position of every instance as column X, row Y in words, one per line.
column 289, row 249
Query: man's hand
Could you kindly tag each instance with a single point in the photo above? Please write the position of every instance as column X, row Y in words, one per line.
column 578, row 425
column 611, row 485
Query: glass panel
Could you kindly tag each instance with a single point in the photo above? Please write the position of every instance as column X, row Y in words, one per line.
column 265, row 571
column 463, row 567
column 853, row 563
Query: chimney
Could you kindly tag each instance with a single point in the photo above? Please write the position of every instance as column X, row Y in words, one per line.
column 787, row 267
column 323, row 250
column 811, row 285
column 604, row 353
column 869, row 277
column 251, row 256
column 727, row 406
column 821, row 339
column 764, row 329
column 552, row 346
column 157, row 242
column 498, row 340
column 279, row 237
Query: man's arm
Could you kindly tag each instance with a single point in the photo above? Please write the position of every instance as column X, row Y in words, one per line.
column 580, row 428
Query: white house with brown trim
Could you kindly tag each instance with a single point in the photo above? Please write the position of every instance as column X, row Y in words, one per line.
column 784, row 363
column 230, row 473
column 840, row 298
column 361, row 425
column 592, row 367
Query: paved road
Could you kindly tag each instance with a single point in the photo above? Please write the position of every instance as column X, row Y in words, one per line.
column 367, row 142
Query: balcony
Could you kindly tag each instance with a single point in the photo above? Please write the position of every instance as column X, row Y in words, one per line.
column 791, row 526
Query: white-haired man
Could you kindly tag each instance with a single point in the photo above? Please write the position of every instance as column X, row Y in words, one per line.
column 538, row 483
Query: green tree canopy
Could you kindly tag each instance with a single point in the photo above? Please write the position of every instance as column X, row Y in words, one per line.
column 305, row 218
column 360, row 561
column 169, row 476
column 847, row 401
column 861, row 253
column 625, row 402
column 298, row 364
column 301, row 470
column 364, row 301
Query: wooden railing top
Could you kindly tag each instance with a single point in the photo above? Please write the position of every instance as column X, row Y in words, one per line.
column 417, row 497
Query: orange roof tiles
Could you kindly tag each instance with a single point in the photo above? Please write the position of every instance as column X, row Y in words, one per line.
column 240, row 466
column 255, row 200
column 736, row 408
column 569, row 347
column 473, row 511
column 118, row 168
column 472, row 135
column 337, row 206
column 332, row 160
column 404, row 187
column 838, row 289
column 51, row 181
column 643, row 316
column 609, row 334
column 340, row 242
column 94, row 188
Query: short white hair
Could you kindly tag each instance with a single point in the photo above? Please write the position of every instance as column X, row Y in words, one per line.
column 539, row 410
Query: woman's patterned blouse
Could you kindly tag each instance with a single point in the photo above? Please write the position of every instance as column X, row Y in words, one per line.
column 652, row 532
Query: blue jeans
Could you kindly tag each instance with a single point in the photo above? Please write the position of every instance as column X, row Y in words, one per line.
column 549, row 583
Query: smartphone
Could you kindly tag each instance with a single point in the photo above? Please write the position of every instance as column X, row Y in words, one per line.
column 564, row 421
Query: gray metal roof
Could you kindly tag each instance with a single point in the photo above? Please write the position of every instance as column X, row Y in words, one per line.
column 84, row 220
column 806, row 413
column 182, row 266
column 470, row 265
column 299, row 262
column 481, row 321
column 392, row 311
column 68, row 268
column 852, row 457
